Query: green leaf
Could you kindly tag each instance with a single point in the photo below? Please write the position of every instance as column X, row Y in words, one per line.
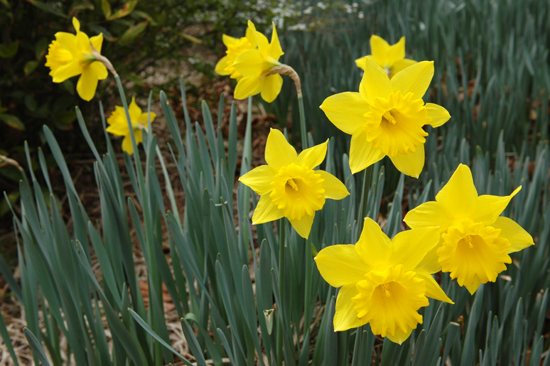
column 30, row 66
column 10, row 50
column 133, row 32
column 106, row 8
column 40, row 48
column 12, row 121
column 82, row 6
column 5, row 206
column 125, row 10
column 190, row 38
column 48, row 8
column 36, row 346
column 30, row 102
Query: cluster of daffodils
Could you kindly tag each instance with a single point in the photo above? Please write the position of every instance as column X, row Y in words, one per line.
column 77, row 54
column 382, row 281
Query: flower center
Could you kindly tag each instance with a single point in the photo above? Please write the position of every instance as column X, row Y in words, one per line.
column 389, row 300
column 473, row 250
column 394, row 125
column 298, row 191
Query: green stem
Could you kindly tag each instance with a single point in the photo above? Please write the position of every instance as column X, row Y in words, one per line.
column 280, row 323
column 367, row 177
column 303, row 130
column 247, row 148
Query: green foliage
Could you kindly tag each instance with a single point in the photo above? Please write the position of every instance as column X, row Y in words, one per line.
column 226, row 314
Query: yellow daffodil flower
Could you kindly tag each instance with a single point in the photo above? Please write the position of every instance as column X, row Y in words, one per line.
column 253, row 64
column 288, row 186
column 381, row 280
column 387, row 117
column 70, row 55
column 390, row 58
column 475, row 240
column 118, row 124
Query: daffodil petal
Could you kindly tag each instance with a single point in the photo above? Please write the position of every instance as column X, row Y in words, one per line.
column 67, row 41
column 396, row 52
column 265, row 211
column 346, row 111
column 375, row 83
column 134, row 110
column 246, row 87
column 340, row 265
column 433, row 289
column 362, row 154
column 97, row 42
column 430, row 262
column 303, row 226
column 459, row 195
column 87, row 84
column 345, row 317
column 474, row 286
column 488, row 208
column 259, row 179
column 138, row 134
column 76, row 24
column 83, row 42
column 361, row 62
column 400, row 66
column 438, row 114
column 429, row 214
column 516, row 235
column 414, row 79
column 378, row 49
column 411, row 246
column 411, row 163
column 118, row 129
column 278, row 152
column 228, row 40
column 334, row 188
column 275, row 49
column 143, row 117
column 399, row 337
column 374, row 247
column 65, row 72
column 313, row 156
column 251, row 63
column 99, row 69
column 221, row 65
column 127, row 145
column 272, row 85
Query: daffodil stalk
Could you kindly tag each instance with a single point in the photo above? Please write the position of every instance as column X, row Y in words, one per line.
column 290, row 72
column 280, row 309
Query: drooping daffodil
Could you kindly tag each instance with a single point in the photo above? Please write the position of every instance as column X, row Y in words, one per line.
column 475, row 240
column 249, row 59
column 118, row 124
column 71, row 55
column 390, row 58
column 380, row 280
column 386, row 117
column 289, row 186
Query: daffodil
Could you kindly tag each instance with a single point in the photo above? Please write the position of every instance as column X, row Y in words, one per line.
column 254, row 58
column 118, row 124
column 289, row 186
column 475, row 240
column 386, row 117
column 70, row 55
column 390, row 58
column 381, row 281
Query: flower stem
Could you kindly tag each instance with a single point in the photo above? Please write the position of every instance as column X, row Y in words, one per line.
column 280, row 323
column 247, row 148
column 303, row 129
column 363, row 206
